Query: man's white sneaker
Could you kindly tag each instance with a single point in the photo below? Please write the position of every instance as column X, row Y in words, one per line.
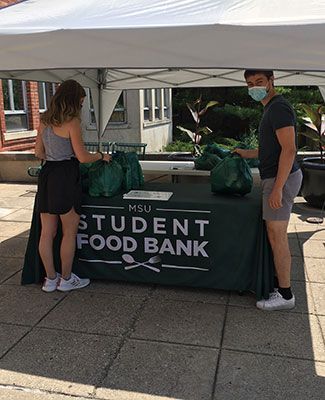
column 50, row 285
column 73, row 283
column 276, row 302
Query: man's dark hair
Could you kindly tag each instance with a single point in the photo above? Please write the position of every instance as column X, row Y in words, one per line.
column 251, row 72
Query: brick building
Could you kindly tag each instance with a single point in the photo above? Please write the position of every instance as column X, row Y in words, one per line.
column 19, row 110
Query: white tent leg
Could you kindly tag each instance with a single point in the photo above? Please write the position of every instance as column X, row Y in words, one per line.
column 107, row 103
column 322, row 91
column 104, row 102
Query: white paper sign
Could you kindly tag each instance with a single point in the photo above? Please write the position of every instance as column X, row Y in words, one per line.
column 147, row 195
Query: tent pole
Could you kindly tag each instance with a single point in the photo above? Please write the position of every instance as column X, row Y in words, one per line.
column 322, row 91
column 100, row 111
column 102, row 73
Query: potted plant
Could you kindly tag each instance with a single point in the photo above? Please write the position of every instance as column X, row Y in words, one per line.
column 197, row 111
column 313, row 168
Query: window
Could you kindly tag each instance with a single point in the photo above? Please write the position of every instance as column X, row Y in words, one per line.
column 91, row 118
column 15, row 105
column 42, row 96
column 118, row 116
column 46, row 91
column 147, row 104
column 157, row 103
column 119, row 113
column 166, row 103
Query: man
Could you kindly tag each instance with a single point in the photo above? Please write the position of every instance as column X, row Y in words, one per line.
column 280, row 176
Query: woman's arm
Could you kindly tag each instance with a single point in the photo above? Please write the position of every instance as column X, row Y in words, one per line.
column 79, row 148
column 39, row 146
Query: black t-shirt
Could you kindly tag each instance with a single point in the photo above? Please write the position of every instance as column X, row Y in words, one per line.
column 278, row 113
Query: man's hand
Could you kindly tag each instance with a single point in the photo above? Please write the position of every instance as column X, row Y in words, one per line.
column 247, row 153
column 275, row 198
column 243, row 153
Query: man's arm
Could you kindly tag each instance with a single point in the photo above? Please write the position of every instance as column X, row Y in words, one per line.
column 253, row 153
column 286, row 138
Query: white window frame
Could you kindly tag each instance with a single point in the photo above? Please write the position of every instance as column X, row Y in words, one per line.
column 159, row 104
column 147, row 95
column 12, row 110
column 152, row 107
column 41, row 110
column 166, row 110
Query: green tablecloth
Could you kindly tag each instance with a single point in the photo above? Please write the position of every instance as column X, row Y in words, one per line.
column 195, row 239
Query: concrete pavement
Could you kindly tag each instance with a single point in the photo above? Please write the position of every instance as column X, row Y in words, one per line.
column 148, row 342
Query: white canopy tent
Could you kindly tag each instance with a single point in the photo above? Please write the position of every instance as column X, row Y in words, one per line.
column 109, row 46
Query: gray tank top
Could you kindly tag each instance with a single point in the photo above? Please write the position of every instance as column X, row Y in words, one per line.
column 57, row 148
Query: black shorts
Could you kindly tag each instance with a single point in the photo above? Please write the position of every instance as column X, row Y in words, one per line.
column 59, row 187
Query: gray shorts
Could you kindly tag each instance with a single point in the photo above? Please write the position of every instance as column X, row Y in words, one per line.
column 290, row 191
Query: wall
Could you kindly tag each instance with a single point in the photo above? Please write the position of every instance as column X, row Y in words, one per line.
column 156, row 136
column 14, row 165
column 157, row 133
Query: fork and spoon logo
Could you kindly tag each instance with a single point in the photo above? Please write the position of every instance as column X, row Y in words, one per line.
column 135, row 264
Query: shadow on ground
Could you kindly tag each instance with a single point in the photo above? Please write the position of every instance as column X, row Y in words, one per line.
column 115, row 340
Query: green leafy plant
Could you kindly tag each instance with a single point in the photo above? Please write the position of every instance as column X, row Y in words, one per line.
column 197, row 111
column 316, row 124
column 250, row 139
column 178, row 145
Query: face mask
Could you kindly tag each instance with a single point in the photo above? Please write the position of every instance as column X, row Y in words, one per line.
column 257, row 93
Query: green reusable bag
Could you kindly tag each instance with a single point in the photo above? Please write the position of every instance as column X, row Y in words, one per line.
column 84, row 175
column 218, row 150
column 207, row 161
column 132, row 171
column 105, row 179
column 232, row 175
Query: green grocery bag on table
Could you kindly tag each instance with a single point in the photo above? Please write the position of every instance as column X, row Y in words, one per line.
column 84, row 174
column 213, row 148
column 132, row 171
column 207, row 161
column 232, row 175
column 105, row 178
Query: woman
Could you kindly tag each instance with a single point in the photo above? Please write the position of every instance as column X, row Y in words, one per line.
column 59, row 142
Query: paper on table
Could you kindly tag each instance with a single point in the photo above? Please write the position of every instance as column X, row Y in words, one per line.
column 147, row 195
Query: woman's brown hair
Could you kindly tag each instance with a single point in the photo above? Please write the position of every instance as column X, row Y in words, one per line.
column 65, row 104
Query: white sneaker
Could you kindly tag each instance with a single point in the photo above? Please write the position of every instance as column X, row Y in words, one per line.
column 73, row 283
column 276, row 302
column 50, row 285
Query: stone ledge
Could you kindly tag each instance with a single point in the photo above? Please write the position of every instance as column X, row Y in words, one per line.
column 17, row 156
column 159, row 156
column 14, row 164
